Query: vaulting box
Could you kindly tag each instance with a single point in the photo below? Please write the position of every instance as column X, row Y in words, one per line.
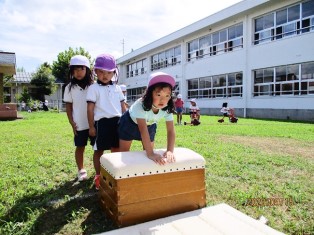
column 134, row 189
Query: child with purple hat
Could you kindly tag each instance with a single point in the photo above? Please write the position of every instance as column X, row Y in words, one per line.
column 105, row 105
column 140, row 121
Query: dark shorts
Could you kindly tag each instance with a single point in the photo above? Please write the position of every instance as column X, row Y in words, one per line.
column 82, row 137
column 128, row 130
column 225, row 115
column 106, row 134
column 179, row 110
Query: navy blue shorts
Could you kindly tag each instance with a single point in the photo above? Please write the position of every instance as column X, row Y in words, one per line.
column 82, row 137
column 106, row 133
column 128, row 130
column 179, row 110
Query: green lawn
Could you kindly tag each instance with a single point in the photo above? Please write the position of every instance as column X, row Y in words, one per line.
column 249, row 163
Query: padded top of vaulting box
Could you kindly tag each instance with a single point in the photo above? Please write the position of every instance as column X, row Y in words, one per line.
column 133, row 164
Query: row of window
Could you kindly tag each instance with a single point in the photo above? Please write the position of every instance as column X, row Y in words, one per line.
column 285, row 22
column 135, row 93
column 225, row 85
column 166, row 58
column 216, row 43
column 137, row 68
column 295, row 79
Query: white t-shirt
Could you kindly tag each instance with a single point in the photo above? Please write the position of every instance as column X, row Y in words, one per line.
column 194, row 108
column 225, row 110
column 77, row 96
column 107, row 99
column 136, row 111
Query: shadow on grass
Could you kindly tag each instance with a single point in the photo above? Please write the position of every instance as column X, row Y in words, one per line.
column 58, row 208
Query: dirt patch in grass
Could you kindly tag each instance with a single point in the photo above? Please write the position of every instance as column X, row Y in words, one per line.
column 275, row 145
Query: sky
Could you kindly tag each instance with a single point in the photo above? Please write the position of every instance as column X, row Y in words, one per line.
column 37, row 31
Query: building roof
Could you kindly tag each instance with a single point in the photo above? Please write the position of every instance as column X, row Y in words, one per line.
column 7, row 62
column 22, row 77
column 26, row 77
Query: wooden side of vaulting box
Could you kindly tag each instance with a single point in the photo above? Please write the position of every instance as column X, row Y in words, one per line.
column 144, row 188
column 134, row 213
column 134, row 189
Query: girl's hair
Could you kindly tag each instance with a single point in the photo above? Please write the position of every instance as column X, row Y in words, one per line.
column 85, row 82
column 148, row 97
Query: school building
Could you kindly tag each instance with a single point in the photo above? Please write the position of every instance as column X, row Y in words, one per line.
column 257, row 55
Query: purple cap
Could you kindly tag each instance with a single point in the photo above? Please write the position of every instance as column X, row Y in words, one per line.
column 161, row 77
column 105, row 62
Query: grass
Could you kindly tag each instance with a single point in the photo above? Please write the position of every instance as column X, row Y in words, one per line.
column 246, row 163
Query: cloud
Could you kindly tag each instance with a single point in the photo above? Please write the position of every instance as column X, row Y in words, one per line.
column 39, row 30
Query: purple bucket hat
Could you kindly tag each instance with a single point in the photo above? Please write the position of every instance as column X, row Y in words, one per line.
column 105, row 62
column 161, row 77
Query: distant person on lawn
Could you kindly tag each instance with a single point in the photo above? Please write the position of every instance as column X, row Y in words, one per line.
column 76, row 108
column 179, row 108
column 195, row 114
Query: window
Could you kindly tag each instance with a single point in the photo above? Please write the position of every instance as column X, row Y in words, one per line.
column 264, row 28
column 193, row 49
column 294, row 79
column 225, row 40
column 135, row 93
column 137, row 68
column 289, row 21
column 308, row 16
column 205, row 87
column 220, row 44
column 193, row 88
column 263, row 82
column 224, row 85
column 205, row 46
column 166, row 58
column 177, row 55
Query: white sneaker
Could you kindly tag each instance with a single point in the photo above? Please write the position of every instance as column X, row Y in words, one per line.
column 82, row 175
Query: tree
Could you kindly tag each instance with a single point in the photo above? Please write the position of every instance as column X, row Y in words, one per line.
column 44, row 81
column 25, row 96
column 60, row 68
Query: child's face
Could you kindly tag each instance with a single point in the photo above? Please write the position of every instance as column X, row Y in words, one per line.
column 193, row 103
column 104, row 76
column 79, row 72
column 161, row 97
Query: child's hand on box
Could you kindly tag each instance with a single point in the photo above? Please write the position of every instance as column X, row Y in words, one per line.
column 157, row 159
column 169, row 156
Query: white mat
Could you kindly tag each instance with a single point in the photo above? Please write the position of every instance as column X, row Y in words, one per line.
column 219, row 219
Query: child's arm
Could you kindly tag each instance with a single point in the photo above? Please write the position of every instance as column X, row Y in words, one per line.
column 142, row 126
column 170, row 142
column 69, row 111
column 90, row 117
column 123, row 106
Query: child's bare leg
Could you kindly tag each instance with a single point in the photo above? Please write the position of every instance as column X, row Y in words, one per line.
column 124, row 145
column 96, row 159
column 114, row 150
column 79, row 157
